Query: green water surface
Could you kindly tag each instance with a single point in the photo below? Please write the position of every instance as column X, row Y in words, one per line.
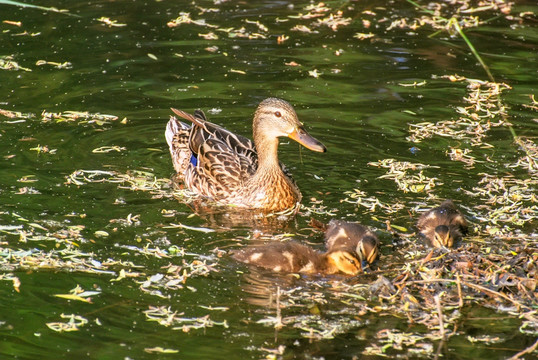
column 357, row 107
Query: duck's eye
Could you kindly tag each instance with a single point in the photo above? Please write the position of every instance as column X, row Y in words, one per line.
column 278, row 114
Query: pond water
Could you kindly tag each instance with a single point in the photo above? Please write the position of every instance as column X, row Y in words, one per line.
column 86, row 201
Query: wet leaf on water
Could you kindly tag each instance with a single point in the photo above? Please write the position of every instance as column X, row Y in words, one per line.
column 314, row 73
column 363, row 36
column 160, row 350
column 74, row 323
column 14, row 23
column 209, row 36
column 107, row 149
column 109, row 22
column 7, row 63
column 57, row 65
column 73, row 297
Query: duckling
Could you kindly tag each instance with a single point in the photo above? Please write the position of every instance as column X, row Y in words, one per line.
column 295, row 257
column 443, row 225
column 344, row 235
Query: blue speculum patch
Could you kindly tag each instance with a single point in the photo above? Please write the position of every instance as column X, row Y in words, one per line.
column 194, row 160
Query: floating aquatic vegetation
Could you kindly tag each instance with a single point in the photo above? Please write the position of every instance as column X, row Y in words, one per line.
column 260, row 26
column 507, row 201
column 57, row 65
column 74, row 323
column 110, row 23
column 360, row 198
column 16, row 114
column 81, row 117
column 334, row 21
column 185, row 18
column 166, row 317
column 176, row 276
column 484, row 111
column 314, row 73
column 528, row 162
column 363, row 36
column 395, row 339
column 209, row 36
column 7, row 63
column 303, row 28
column 533, row 105
column 160, row 350
column 399, row 171
column 78, row 294
column 14, row 279
column 316, row 11
column 43, row 149
column 282, row 38
column 463, row 13
column 67, row 259
column 430, row 291
column 316, row 207
column 14, row 23
column 82, row 177
column 135, row 180
column 107, row 149
column 462, row 155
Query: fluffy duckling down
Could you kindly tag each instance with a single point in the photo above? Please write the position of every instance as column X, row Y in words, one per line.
column 442, row 226
column 299, row 258
column 349, row 236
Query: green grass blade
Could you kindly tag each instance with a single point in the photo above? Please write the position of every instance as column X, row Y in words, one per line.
column 20, row 4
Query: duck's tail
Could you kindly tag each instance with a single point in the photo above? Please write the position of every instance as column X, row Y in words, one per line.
column 177, row 137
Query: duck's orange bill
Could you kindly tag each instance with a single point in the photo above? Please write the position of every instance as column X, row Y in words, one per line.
column 308, row 141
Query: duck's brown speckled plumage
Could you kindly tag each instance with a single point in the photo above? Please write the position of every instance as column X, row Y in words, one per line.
column 443, row 225
column 344, row 235
column 231, row 169
column 295, row 257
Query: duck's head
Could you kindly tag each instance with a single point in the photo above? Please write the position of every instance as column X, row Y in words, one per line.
column 368, row 249
column 344, row 261
column 275, row 118
column 443, row 237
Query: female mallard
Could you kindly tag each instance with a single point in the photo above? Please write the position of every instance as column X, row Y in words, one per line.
column 298, row 258
column 443, row 225
column 344, row 235
column 231, row 169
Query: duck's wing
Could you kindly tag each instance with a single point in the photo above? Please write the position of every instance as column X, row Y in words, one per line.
column 204, row 130
column 219, row 171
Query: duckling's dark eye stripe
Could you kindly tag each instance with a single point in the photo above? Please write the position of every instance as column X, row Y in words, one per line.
column 372, row 256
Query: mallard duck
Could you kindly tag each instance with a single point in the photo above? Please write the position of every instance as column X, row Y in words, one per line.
column 344, row 235
column 231, row 169
column 299, row 258
column 443, row 225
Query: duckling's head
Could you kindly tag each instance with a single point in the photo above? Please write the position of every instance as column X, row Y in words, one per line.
column 275, row 118
column 343, row 261
column 368, row 249
column 443, row 237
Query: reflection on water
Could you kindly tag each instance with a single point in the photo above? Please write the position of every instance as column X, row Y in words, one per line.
column 263, row 287
column 227, row 217
column 361, row 97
